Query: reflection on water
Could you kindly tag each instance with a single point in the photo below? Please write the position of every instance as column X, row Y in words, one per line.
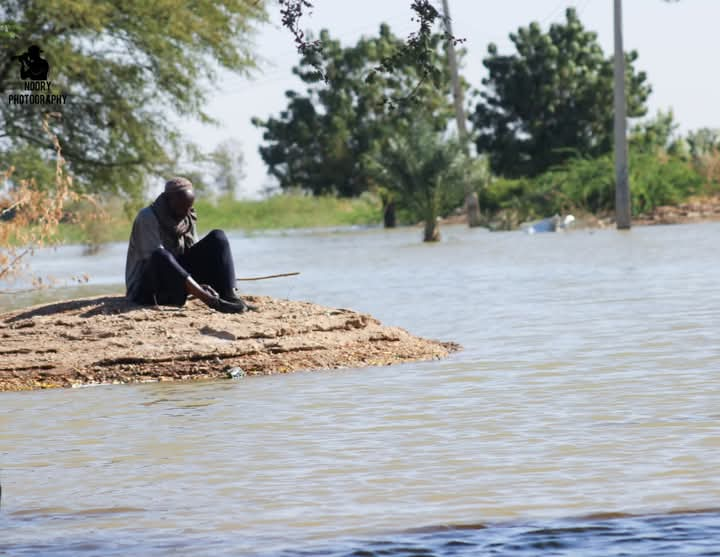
column 587, row 385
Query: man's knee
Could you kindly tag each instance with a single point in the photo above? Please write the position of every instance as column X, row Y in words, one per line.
column 217, row 236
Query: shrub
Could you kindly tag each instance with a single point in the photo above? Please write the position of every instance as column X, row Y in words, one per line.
column 588, row 185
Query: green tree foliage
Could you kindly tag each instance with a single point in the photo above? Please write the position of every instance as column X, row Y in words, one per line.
column 703, row 148
column 588, row 186
column 424, row 171
column 418, row 50
column 658, row 134
column 126, row 67
column 703, row 142
column 29, row 162
column 321, row 141
column 552, row 100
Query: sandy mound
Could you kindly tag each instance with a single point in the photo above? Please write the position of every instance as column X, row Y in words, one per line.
column 110, row 340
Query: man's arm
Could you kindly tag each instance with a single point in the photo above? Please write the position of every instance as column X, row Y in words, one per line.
column 144, row 239
column 146, row 234
column 202, row 292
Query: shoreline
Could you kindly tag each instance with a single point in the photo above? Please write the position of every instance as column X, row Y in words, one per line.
column 697, row 209
column 360, row 212
column 108, row 340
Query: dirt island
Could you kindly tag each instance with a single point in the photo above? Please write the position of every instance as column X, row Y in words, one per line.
column 107, row 339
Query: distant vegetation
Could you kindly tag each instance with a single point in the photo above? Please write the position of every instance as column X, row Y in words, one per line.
column 288, row 211
column 277, row 212
column 664, row 170
column 551, row 100
column 332, row 133
column 367, row 139
column 542, row 128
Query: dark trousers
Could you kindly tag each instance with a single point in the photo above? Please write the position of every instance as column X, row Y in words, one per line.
column 208, row 262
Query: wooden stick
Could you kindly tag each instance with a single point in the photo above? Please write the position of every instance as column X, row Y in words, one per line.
column 11, row 292
column 269, row 276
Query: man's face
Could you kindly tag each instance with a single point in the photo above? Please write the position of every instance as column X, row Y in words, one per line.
column 181, row 202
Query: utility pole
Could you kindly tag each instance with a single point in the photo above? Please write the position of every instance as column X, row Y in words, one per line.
column 622, row 187
column 472, row 205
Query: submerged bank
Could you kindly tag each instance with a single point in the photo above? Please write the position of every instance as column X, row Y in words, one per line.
column 107, row 339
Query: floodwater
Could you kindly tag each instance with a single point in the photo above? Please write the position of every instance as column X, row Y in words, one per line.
column 581, row 418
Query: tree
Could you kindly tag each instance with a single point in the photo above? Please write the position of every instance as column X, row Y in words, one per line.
column 657, row 135
column 703, row 147
column 228, row 162
column 320, row 141
column 31, row 163
column 552, row 100
column 425, row 171
column 418, row 50
column 29, row 216
column 703, row 142
column 123, row 65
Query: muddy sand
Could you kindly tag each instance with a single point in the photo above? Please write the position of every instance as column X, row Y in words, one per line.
column 107, row 339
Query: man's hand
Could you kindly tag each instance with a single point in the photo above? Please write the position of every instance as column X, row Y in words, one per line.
column 203, row 292
column 211, row 298
column 210, row 290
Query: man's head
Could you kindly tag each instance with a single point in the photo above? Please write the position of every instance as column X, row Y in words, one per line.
column 34, row 51
column 180, row 196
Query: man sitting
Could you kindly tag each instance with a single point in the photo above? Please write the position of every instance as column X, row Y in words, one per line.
column 166, row 262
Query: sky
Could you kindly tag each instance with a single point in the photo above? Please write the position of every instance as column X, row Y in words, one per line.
column 676, row 43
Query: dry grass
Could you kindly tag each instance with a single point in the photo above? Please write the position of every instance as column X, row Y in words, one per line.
column 32, row 212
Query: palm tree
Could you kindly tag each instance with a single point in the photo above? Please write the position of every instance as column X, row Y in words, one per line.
column 423, row 170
